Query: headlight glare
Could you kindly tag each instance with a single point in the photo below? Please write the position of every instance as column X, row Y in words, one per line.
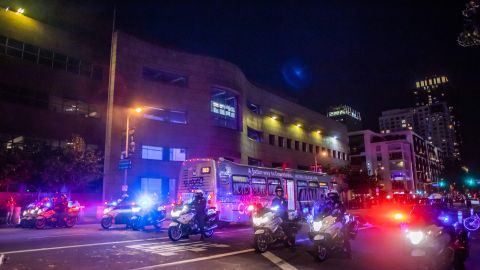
column 317, row 225
column 415, row 237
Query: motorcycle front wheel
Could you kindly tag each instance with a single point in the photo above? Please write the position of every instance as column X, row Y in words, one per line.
column 322, row 252
column 471, row 223
column 137, row 224
column 40, row 223
column 70, row 222
column 261, row 243
column 208, row 233
column 106, row 222
column 175, row 233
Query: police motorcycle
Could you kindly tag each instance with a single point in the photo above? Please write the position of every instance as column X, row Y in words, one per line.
column 184, row 222
column 118, row 212
column 29, row 215
column 330, row 233
column 434, row 239
column 147, row 212
column 267, row 225
column 49, row 217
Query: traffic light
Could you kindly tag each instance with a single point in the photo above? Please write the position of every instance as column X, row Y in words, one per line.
column 470, row 182
column 442, row 183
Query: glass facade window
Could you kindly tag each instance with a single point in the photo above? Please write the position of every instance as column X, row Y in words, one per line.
column 281, row 141
column 177, row 154
column 255, row 108
column 224, row 107
column 254, row 162
column 48, row 58
column 152, row 152
column 254, row 134
column 157, row 114
column 164, row 77
column 271, row 139
column 289, row 143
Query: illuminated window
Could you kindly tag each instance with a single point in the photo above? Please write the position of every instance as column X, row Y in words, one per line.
column 224, row 108
column 418, row 85
column 177, row 154
column 152, row 152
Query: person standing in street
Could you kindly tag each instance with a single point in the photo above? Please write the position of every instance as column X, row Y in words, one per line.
column 200, row 204
column 10, row 210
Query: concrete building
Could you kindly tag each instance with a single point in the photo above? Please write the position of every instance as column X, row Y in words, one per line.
column 399, row 160
column 347, row 116
column 52, row 84
column 195, row 107
column 432, row 122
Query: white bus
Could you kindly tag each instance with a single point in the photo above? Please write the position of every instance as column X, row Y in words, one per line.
column 231, row 188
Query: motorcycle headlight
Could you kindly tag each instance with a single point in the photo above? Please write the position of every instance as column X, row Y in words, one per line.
column 161, row 208
column 260, row 220
column 415, row 237
column 175, row 213
column 24, row 213
column 136, row 209
column 106, row 210
column 39, row 211
column 317, row 225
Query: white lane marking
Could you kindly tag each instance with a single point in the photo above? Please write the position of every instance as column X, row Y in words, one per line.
column 60, row 235
column 196, row 259
column 83, row 245
column 278, row 261
column 171, row 249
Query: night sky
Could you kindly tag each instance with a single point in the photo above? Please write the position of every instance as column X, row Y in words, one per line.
column 365, row 56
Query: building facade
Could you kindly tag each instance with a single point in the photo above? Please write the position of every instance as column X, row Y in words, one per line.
column 347, row 116
column 197, row 107
column 52, row 84
column 400, row 161
column 433, row 122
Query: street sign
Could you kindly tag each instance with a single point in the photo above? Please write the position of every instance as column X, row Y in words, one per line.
column 124, row 164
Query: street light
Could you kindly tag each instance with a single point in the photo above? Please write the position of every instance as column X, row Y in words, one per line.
column 127, row 133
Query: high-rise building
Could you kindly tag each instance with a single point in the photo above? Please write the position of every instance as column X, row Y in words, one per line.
column 397, row 120
column 431, row 90
column 347, row 116
column 432, row 117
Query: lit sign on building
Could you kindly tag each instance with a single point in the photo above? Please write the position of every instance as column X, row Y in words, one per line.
column 344, row 110
column 431, row 81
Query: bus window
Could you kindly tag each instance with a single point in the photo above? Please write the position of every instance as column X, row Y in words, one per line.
column 272, row 184
column 314, row 191
column 259, row 187
column 241, row 185
column 302, row 196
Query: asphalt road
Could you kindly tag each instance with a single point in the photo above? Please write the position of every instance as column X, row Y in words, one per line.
column 90, row 247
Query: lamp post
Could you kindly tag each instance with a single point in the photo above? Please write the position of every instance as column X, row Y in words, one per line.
column 376, row 178
column 127, row 133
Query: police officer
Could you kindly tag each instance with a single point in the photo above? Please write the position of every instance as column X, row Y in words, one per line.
column 199, row 203
column 280, row 203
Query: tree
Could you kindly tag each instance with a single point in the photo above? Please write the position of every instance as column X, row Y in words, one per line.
column 46, row 168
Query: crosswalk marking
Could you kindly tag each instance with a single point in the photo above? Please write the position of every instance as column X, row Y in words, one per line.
column 278, row 261
column 172, row 249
